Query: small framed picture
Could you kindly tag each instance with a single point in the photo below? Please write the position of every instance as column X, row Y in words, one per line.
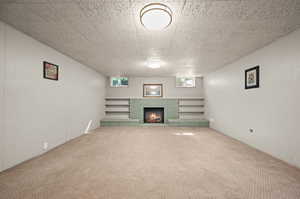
column 152, row 90
column 252, row 78
column 50, row 71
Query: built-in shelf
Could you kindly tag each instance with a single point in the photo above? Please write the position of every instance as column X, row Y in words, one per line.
column 116, row 98
column 188, row 108
column 199, row 112
column 117, row 105
column 191, row 98
column 190, row 112
column 116, row 111
column 191, row 105
column 191, row 108
column 117, row 108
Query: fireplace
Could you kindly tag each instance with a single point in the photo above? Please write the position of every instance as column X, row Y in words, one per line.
column 153, row 115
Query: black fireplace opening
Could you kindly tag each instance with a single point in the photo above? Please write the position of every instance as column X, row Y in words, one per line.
column 154, row 115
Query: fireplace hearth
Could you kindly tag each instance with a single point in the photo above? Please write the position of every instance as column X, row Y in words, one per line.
column 154, row 115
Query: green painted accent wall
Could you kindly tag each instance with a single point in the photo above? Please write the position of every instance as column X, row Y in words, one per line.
column 137, row 108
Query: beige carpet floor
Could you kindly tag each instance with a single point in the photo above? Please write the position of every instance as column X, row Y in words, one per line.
column 152, row 163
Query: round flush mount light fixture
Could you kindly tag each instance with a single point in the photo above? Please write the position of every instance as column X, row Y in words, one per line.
column 156, row 16
column 154, row 65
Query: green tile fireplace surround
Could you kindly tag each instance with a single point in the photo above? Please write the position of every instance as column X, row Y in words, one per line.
column 135, row 110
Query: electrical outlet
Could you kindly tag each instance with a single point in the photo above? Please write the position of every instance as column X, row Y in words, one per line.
column 251, row 130
column 45, row 145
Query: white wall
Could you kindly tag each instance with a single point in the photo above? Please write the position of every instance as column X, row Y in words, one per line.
column 38, row 110
column 272, row 110
column 2, row 45
column 135, row 88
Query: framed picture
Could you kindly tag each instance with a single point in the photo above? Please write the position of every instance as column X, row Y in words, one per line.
column 252, row 77
column 50, row 71
column 152, row 90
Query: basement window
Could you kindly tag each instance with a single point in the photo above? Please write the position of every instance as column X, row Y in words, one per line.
column 119, row 81
column 185, row 82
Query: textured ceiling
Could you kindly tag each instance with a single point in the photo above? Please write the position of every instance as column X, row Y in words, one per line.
column 107, row 35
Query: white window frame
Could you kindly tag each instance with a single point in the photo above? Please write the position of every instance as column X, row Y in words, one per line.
column 194, row 82
column 119, row 86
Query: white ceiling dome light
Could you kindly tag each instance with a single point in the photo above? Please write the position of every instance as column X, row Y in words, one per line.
column 154, row 63
column 156, row 16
